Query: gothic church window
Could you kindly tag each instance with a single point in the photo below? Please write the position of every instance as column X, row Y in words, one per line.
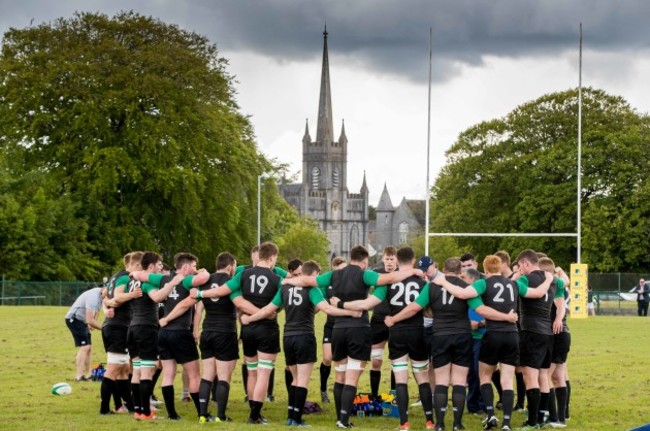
column 335, row 177
column 315, row 177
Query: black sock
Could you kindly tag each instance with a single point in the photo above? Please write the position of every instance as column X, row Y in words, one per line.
column 458, row 396
column 155, row 377
column 204, row 396
column 146, row 389
column 170, row 405
column 347, row 399
column 568, row 398
column 543, row 406
column 291, row 402
column 288, row 379
column 117, row 399
column 124, row 387
column 552, row 406
column 299, row 405
column 508, row 399
column 393, row 385
column 561, row 395
column 488, row 398
column 521, row 390
column 256, row 409
column 427, row 403
column 375, row 378
column 325, row 371
column 338, row 390
column 214, row 387
column 269, row 390
column 402, row 392
column 197, row 405
column 532, row 397
column 108, row 388
column 135, row 392
column 496, row 381
column 441, row 397
column 222, row 392
column 244, row 377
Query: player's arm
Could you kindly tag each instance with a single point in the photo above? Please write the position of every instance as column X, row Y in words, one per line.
column 224, row 290
column 472, row 291
column 560, row 307
column 243, row 305
column 196, row 320
column 158, row 294
column 534, row 292
column 178, row 311
column 491, row 314
column 91, row 319
column 390, row 277
column 320, row 303
column 120, row 295
column 264, row 312
column 308, row 280
column 378, row 295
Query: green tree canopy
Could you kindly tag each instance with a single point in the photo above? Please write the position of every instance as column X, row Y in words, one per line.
column 133, row 126
column 518, row 174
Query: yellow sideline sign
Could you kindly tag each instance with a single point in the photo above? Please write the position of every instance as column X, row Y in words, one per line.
column 578, row 288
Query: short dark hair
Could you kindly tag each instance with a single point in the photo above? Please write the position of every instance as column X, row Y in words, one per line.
column 358, row 253
column 181, row 259
column 294, row 264
column 472, row 273
column 405, row 255
column 390, row 250
column 453, row 265
column 529, row 255
column 149, row 258
column 224, row 260
column 338, row 260
column 136, row 257
column 467, row 256
column 255, row 249
column 268, row 250
column 310, row 268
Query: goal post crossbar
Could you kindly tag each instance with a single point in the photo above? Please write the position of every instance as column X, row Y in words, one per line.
column 479, row 234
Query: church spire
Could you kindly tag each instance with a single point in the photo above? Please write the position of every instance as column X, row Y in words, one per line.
column 306, row 137
column 343, row 139
column 364, row 185
column 324, row 130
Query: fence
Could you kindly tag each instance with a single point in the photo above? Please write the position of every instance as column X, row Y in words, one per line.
column 61, row 293
column 612, row 292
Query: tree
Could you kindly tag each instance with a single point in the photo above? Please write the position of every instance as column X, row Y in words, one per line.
column 306, row 242
column 518, row 174
column 135, row 122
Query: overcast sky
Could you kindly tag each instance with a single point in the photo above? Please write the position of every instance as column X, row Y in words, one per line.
column 488, row 58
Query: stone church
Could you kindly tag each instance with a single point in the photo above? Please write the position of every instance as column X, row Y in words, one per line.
column 323, row 193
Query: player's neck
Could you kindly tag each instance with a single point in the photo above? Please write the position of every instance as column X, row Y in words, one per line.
column 265, row 264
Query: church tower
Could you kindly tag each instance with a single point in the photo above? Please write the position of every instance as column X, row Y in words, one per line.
column 323, row 193
column 324, row 161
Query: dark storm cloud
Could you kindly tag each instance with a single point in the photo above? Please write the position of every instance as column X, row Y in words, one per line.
column 386, row 36
column 393, row 36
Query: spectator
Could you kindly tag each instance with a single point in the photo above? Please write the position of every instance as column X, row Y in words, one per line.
column 81, row 318
column 642, row 291
column 591, row 302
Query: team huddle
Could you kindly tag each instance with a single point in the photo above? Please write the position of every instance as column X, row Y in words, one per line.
column 456, row 327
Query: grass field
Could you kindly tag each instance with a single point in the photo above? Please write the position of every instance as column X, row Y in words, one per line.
column 609, row 368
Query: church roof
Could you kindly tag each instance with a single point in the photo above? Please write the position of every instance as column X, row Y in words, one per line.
column 384, row 201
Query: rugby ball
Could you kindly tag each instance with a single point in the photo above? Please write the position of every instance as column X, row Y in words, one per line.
column 61, row 389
